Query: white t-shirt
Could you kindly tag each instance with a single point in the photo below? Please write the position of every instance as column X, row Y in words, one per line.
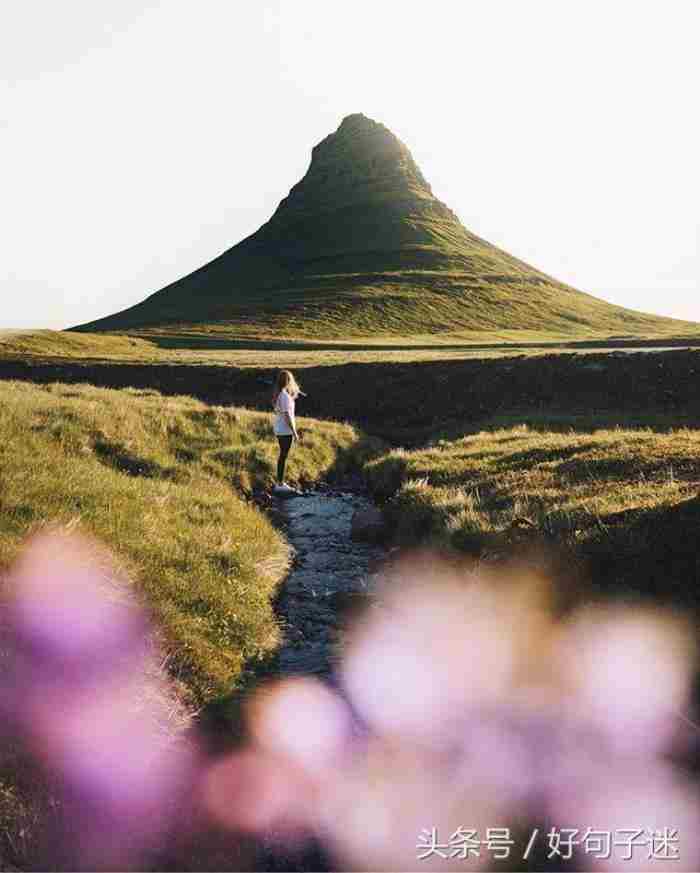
column 284, row 403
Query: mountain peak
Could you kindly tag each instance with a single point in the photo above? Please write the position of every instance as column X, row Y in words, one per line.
column 361, row 162
column 357, row 119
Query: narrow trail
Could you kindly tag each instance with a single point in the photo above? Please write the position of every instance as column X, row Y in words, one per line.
column 329, row 572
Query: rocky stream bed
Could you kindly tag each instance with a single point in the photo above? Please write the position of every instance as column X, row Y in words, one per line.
column 334, row 568
column 337, row 560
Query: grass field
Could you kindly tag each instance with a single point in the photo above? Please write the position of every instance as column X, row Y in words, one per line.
column 622, row 499
column 556, row 444
column 565, row 482
column 219, row 347
column 596, row 454
column 161, row 482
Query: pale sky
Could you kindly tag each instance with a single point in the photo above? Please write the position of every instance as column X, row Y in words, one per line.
column 138, row 140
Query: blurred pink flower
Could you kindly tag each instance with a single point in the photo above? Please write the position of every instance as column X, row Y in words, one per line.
column 80, row 691
column 466, row 706
column 481, row 709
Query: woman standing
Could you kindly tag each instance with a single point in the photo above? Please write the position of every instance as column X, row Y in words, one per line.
column 283, row 398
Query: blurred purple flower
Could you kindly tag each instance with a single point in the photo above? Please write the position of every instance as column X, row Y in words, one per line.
column 465, row 705
column 482, row 710
column 79, row 690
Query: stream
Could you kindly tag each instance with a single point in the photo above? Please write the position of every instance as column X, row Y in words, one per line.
column 330, row 573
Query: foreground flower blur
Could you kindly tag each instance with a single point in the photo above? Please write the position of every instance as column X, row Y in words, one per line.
column 78, row 690
column 470, row 714
column 470, row 726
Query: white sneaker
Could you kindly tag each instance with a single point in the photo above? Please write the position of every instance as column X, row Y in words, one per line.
column 283, row 488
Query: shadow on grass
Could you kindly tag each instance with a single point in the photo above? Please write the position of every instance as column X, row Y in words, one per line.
column 411, row 403
column 116, row 456
column 651, row 553
column 195, row 341
column 389, row 473
column 562, row 420
column 623, row 469
column 531, row 457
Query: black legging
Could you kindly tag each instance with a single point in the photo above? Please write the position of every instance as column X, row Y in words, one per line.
column 285, row 445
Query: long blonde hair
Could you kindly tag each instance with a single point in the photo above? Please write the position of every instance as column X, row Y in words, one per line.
column 285, row 379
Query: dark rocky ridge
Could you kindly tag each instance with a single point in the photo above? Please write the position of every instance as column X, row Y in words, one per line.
column 360, row 246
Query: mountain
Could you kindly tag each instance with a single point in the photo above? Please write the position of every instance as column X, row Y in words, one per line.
column 362, row 247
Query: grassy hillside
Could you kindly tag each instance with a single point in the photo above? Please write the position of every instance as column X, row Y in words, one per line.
column 623, row 499
column 361, row 248
column 161, row 482
column 382, row 306
column 64, row 344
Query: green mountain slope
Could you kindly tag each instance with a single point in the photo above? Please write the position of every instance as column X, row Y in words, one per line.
column 361, row 247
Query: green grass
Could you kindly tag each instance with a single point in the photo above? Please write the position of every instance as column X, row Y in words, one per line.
column 161, row 482
column 53, row 343
column 394, row 307
column 226, row 347
column 565, row 483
